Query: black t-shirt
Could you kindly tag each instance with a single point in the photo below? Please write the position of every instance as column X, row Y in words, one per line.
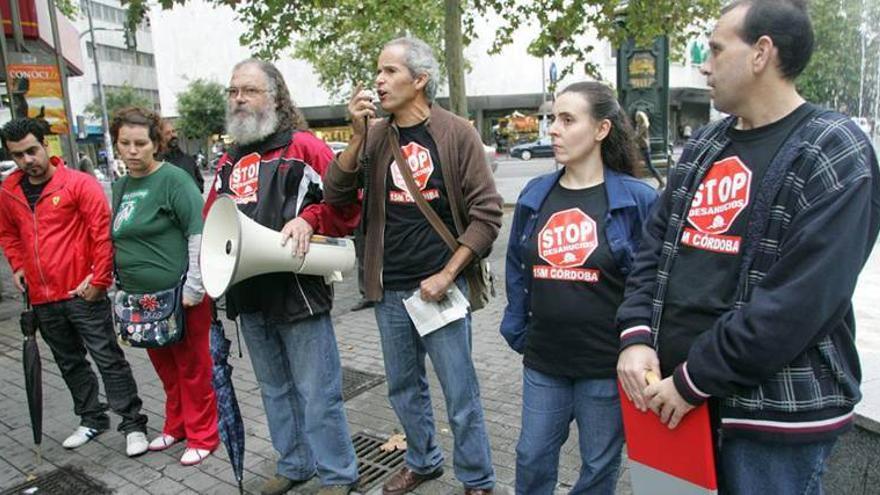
column 703, row 281
column 413, row 250
column 576, row 287
column 32, row 191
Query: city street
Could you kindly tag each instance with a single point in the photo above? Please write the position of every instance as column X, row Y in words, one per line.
column 498, row 367
column 274, row 87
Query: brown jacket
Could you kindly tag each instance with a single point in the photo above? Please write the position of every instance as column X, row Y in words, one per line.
column 476, row 204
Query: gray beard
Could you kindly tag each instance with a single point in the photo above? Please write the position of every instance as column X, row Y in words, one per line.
column 252, row 127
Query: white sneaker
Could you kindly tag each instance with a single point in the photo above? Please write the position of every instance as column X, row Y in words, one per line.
column 136, row 444
column 191, row 457
column 162, row 442
column 80, row 437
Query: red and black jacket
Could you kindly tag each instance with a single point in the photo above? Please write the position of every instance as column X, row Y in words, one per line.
column 288, row 184
column 63, row 240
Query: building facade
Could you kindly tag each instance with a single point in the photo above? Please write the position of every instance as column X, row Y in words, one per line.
column 119, row 64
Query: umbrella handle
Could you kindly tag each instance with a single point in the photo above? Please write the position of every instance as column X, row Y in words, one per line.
column 238, row 338
column 27, row 297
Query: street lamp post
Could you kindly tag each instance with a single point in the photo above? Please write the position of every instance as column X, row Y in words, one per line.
column 62, row 72
column 877, row 101
column 863, row 34
column 105, row 121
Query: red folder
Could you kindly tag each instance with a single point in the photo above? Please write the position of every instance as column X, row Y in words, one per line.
column 669, row 462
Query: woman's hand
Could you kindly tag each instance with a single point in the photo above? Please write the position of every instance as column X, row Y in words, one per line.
column 189, row 301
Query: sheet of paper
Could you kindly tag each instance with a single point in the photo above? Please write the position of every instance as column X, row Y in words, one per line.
column 429, row 316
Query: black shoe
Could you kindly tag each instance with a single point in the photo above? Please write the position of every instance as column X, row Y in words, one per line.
column 363, row 304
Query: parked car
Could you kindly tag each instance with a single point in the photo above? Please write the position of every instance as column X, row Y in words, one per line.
column 6, row 168
column 491, row 158
column 534, row 149
column 337, row 146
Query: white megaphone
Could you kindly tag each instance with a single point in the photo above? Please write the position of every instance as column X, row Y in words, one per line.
column 235, row 248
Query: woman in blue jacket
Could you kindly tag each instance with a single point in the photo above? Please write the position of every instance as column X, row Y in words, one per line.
column 571, row 246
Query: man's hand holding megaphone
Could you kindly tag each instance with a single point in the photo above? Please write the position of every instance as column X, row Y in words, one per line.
column 298, row 232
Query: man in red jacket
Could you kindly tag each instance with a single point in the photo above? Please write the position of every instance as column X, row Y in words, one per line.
column 55, row 232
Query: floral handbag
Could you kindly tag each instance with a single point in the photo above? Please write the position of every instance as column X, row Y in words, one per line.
column 154, row 319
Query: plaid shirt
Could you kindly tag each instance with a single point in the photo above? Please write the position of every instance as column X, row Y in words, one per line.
column 783, row 359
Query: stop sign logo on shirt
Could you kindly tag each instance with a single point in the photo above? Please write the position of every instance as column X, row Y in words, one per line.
column 244, row 179
column 568, row 238
column 420, row 163
column 722, row 196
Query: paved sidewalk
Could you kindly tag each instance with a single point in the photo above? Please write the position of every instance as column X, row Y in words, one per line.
column 499, row 371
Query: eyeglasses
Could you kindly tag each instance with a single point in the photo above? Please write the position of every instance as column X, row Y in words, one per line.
column 247, row 91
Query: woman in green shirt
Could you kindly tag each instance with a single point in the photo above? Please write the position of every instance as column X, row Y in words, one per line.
column 157, row 229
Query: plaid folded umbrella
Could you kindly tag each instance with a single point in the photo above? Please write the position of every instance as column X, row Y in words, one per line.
column 229, row 420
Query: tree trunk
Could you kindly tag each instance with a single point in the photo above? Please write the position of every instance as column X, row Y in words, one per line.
column 455, row 58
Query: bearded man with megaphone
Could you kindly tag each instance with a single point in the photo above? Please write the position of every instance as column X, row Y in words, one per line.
column 274, row 175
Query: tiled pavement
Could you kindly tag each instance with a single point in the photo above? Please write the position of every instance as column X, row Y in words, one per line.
column 499, row 371
column 104, row 458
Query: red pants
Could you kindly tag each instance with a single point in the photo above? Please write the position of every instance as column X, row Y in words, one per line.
column 185, row 371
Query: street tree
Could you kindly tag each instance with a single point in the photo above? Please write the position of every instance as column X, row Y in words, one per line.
column 570, row 30
column 342, row 39
column 835, row 72
column 202, row 109
column 124, row 96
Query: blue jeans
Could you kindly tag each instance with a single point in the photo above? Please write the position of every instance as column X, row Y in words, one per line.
column 449, row 348
column 297, row 367
column 549, row 405
column 781, row 469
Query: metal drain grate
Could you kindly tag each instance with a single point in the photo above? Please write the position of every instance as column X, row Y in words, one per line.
column 355, row 382
column 62, row 481
column 373, row 464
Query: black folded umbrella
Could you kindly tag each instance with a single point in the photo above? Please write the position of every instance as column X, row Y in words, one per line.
column 33, row 371
column 229, row 420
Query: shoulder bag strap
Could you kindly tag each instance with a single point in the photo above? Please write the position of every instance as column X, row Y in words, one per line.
column 363, row 160
column 429, row 213
column 116, row 204
column 118, row 200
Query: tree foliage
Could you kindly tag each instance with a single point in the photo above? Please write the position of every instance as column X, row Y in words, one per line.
column 126, row 96
column 566, row 27
column 202, row 109
column 342, row 38
column 832, row 78
column 67, row 7
column 343, row 41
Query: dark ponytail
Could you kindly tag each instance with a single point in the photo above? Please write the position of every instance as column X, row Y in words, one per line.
column 619, row 149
